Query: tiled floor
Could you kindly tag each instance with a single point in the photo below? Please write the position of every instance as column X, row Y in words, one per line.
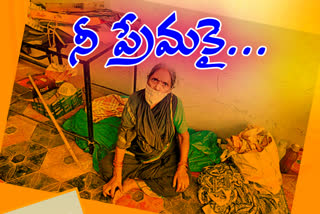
column 34, row 155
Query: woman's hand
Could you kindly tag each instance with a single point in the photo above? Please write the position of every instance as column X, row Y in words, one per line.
column 181, row 179
column 110, row 187
column 116, row 180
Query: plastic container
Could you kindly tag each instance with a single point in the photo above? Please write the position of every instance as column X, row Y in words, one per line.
column 61, row 106
column 296, row 165
column 290, row 157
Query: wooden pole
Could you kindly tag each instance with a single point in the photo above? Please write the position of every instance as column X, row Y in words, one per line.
column 54, row 122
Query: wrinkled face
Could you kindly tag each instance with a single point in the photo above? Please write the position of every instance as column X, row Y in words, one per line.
column 160, row 81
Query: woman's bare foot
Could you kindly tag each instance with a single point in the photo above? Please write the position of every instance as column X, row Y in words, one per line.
column 146, row 189
column 127, row 185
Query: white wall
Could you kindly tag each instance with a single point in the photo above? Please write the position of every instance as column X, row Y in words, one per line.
column 292, row 14
column 274, row 91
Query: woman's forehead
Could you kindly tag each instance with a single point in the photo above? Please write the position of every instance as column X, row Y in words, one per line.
column 162, row 74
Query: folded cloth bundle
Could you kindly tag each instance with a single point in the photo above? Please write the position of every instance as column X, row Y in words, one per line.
column 251, row 139
column 108, row 106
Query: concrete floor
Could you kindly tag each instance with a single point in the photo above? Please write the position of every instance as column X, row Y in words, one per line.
column 34, row 155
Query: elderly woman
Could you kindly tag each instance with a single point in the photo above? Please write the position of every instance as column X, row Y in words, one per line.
column 153, row 142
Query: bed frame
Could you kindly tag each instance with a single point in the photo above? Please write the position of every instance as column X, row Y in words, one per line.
column 87, row 80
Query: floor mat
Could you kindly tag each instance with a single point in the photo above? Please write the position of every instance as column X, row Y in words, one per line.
column 137, row 199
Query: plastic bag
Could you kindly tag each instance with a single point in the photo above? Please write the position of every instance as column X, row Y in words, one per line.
column 60, row 73
column 105, row 134
column 204, row 150
column 259, row 167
